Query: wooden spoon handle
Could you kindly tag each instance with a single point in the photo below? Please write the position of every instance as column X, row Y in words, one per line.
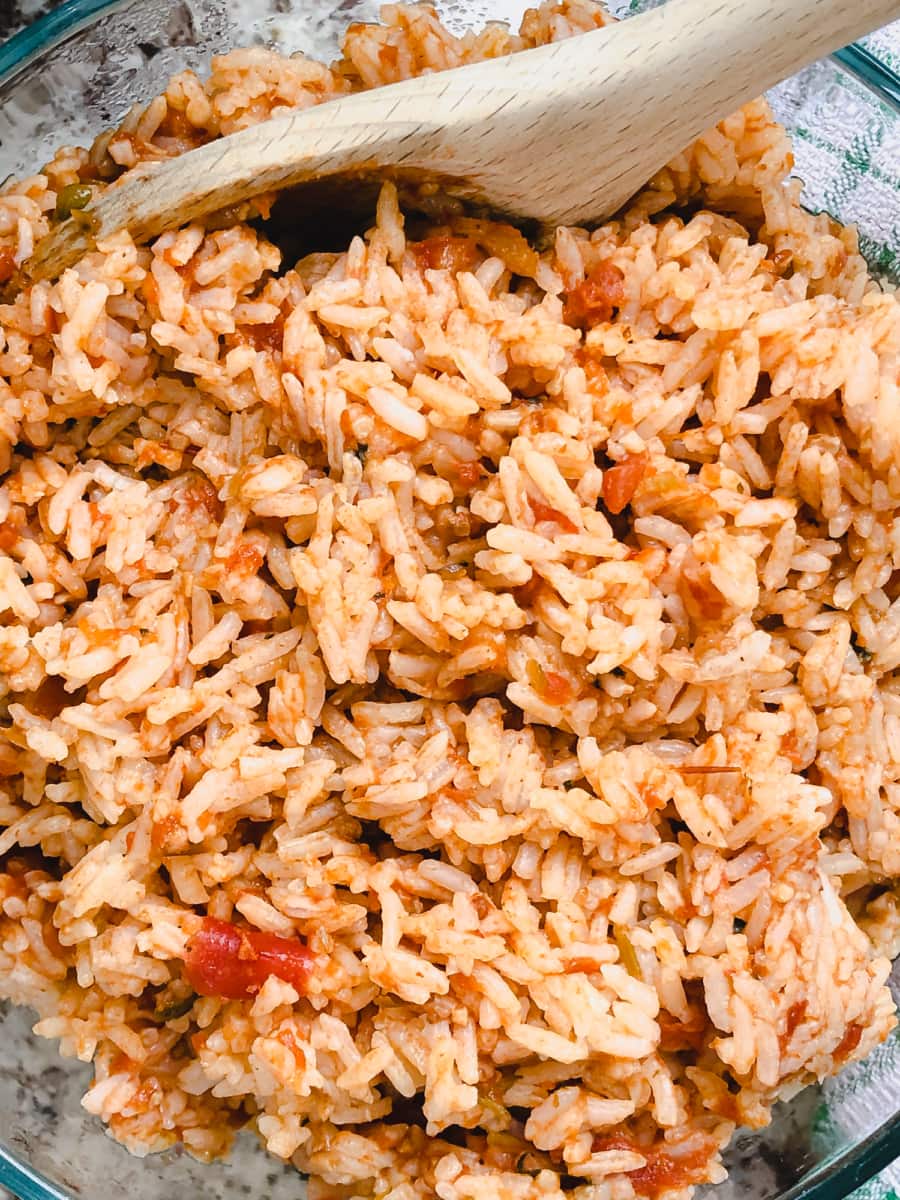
column 563, row 133
column 664, row 79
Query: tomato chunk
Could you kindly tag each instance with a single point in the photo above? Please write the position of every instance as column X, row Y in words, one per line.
column 620, row 482
column 594, row 300
column 663, row 1170
column 7, row 265
column 445, row 252
column 558, row 689
column 224, row 960
column 199, row 495
column 550, row 685
column 245, row 559
column 795, row 1015
column 543, row 512
column 469, row 473
column 595, row 376
column 266, row 337
column 848, row 1042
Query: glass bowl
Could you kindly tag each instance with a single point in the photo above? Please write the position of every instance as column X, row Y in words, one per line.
column 77, row 71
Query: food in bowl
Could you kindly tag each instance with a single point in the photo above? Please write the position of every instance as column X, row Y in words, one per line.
column 450, row 722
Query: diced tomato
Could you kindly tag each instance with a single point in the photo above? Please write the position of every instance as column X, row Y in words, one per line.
column 150, row 288
column 446, row 253
column 7, row 265
column 595, row 299
column 620, row 482
column 265, row 337
column 795, row 1015
column 469, row 473
column 549, row 685
column 595, row 376
column 199, row 494
column 12, row 885
column 543, row 512
column 848, row 1042
column 10, row 761
column 557, row 688
column 663, row 1171
column 163, row 831
column 388, row 56
column 702, row 599
column 120, row 1064
column 225, row 960
column 245, row 559
column 150, row 451
column 9, row 535
column 582, row 966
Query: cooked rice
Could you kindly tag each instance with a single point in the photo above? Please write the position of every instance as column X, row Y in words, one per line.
column 519, row 632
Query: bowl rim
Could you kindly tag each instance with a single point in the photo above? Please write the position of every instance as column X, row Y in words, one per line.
column 836, row 1178
column 46, row 32
column 833, row 1179
column 54, row 26
column 24, row 1181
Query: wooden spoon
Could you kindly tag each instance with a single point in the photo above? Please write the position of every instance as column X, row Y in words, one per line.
column 565, row 133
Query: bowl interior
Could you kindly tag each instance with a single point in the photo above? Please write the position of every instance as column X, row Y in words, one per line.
column 78, row 74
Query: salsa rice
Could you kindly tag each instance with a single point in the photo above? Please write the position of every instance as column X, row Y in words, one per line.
column 450, row 719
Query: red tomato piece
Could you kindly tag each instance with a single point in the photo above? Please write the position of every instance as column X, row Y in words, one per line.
column 620, row 482
column 849, row 1042
column 7, row 265
column 543, row 512
column 245, row 559
column 265, row 337
column 446, row 253
column 469, row 473
column 596, row 377
column 557, row 689
column 199, row 494
column 663, row 1171
column 594, row 300
column 224, row 960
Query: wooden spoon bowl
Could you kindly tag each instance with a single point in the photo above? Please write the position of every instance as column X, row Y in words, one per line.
column 562, row 134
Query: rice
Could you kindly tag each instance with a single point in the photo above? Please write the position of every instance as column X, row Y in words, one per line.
column 449, row 715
